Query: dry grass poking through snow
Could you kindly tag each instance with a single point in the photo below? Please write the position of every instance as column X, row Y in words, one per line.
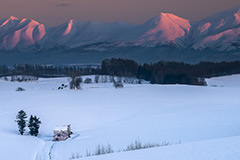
column 136, row 145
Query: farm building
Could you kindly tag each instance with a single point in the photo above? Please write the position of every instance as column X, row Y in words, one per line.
column 62, row 133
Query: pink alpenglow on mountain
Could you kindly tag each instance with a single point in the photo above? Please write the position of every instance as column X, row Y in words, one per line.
column 165, row 28
column 216, row 32
column 20, row 32
column 69, row 28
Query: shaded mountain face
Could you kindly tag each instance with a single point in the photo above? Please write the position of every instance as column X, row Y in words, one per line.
column 74, row 33
column 220, row 32
column 162, row 29
column 23, row 33
column 20, row 33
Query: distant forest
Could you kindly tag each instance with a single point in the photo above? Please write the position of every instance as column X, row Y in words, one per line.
column 157, row 73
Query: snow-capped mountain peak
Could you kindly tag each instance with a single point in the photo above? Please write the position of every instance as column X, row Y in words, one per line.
column 9, row 20
column 69, row 28
column 163, row 28
column 237, row 17
column 20, row 33
column 13, row 18
column 218, row 32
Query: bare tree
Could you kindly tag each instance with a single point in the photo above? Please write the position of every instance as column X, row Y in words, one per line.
column 104, row 79
column 75, row 82
column 118, row 85
column 112, row 79
column 96, row 78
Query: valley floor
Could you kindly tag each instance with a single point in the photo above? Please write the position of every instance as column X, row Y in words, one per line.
column 205, row 119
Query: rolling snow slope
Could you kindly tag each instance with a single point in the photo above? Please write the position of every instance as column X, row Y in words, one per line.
column 100, row 114
column 220, row 149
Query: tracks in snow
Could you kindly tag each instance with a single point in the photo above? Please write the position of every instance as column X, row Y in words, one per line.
column 50, row 151
column 46, row 152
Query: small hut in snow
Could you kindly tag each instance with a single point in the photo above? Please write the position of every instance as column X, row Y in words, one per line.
column 62, row 133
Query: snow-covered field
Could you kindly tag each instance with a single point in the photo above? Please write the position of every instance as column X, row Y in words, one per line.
column 205, row 119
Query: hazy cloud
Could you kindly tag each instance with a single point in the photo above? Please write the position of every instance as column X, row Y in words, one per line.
column 64, row 4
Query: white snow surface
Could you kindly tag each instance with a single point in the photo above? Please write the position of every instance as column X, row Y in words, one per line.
column 205, row 119
column 221, row 149
column 61, row 128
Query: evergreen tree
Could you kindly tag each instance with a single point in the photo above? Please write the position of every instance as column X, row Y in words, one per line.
column 21, row 121
column 34, row 125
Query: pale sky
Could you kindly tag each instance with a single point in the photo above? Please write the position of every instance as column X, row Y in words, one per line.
column 55, row 12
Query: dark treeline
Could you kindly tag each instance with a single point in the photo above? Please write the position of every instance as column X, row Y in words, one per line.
column 161, row 72
column 170, row 72
column 47, row 71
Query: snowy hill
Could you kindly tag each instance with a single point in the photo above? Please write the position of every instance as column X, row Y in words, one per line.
column 205, row 119
column 220, row 149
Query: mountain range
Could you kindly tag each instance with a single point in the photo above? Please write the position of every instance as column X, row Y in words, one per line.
column 164, row 37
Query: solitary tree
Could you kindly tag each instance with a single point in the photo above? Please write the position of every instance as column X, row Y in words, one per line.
column 34, row 125
column 21, row 121
column 96, row 78
column 75, row 82
column 118, row 84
